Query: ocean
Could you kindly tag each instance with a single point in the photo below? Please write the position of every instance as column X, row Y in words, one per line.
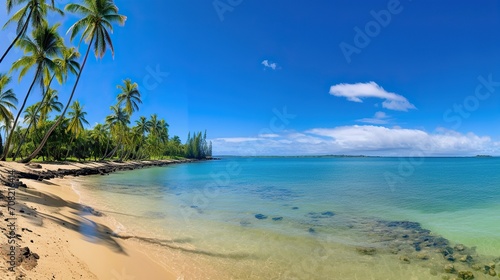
column 309, row 217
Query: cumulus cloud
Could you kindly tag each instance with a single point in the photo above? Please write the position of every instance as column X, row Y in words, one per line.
column 357, row 92
column 268, row 64
column 361, row 139
column 378, row 118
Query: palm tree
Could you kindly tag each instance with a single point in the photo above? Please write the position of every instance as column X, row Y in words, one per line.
column 99, row 135
column 76, row 121
column 117, row 121
column 141, row 128
column 42, row 109
column 35, row 11
column 154, row 125
column 44, row 45
column 129, row 95
column 97, row 18
column 31, row 116
column 49, row 104
column 8, row 101
column 163, row 130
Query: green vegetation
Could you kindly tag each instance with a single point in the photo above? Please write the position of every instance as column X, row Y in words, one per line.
column 67, row 135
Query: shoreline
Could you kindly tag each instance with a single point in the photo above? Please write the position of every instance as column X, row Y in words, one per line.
column 60, row 238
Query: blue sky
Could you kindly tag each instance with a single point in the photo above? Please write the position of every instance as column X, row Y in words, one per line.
column 282, row 77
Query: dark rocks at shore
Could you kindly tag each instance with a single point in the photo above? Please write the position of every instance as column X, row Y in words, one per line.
column 277, row 218
column 25, row 258
column 84, row 171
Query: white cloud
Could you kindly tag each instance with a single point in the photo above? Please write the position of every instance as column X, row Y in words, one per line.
column 238, row 139
column 357, row 92
column 361, row 139
column 378, row 118
column 268, row 64
column 269, row 135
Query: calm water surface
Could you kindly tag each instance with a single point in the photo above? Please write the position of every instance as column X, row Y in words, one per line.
column 316, row 213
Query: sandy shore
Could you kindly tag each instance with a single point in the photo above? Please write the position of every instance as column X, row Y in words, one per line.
column 65, row 240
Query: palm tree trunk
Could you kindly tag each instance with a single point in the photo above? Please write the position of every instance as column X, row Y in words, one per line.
column 9, row 139
column 69, row 147
column 19, row 35
column 106, row 151
column 53, row 127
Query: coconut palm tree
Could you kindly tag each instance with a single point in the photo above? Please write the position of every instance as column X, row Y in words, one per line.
column 98, row 16
column 129, row 95
column 99, row 135
column 141, row 128
column 44, row 45
column 48, row 104
column 76, row 122
column 117, row 121
column 8, row 101
column 34, row 12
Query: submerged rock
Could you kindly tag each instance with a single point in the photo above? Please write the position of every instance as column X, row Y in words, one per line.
column 366, row 250
column 404, row 259
column 476, row 267
column 328, row 214
column 459, row 247
column 322, row 215
column 465, row 275
column 449, row 268
column 261, row 216
column 466, row 258
column 311, row 230
column 422, row 256
column 277, row 218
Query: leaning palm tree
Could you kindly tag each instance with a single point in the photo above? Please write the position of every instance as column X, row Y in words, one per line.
column 41, row 49
column 129, row 95
column 34, row 12
column 97, row 18
column 76, row 121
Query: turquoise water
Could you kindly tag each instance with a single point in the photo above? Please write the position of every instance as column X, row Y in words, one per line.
column 200, row 219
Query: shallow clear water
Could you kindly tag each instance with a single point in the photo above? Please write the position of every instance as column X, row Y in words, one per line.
column 203, row 215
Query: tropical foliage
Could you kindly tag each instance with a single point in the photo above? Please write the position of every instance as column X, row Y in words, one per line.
column 48, row 129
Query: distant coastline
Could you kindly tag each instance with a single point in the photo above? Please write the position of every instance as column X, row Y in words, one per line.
column 347, row 156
